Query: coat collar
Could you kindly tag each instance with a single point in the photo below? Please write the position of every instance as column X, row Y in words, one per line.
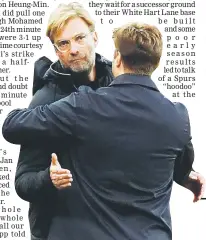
column 68, row 80
column 56, row 70
column 129, row 78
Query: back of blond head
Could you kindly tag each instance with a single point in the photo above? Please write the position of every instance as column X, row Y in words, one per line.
column 140, row 46
column 62, row 14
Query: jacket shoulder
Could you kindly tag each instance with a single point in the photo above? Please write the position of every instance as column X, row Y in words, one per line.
column 40, row 68
column 102, row 60
column 45, row 95
column 104, row 67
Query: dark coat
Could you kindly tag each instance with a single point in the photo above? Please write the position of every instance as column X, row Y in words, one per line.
column 32, row 180
column 124, row 141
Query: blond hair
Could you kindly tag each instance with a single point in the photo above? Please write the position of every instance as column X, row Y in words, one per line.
column 140, row 46
column 63, row 13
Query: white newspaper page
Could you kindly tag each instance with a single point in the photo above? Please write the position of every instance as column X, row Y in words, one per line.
column 180, row 77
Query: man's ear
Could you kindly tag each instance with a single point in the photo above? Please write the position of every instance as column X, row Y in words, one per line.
column 95, row 37
column 118, row 58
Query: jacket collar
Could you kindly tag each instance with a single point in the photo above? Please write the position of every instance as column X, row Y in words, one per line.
column 67, row 80
column 128, row 78
column 55, row 69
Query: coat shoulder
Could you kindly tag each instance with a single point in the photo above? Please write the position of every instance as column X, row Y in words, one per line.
column 40, row 68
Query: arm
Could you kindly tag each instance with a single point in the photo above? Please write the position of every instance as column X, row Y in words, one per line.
column 53, row 121
column 183, row 164
column 186, row 176
column 32, row 180
column 183, row 171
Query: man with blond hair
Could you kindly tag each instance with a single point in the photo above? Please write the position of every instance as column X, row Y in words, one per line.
column 71, row 30
column 122, row 189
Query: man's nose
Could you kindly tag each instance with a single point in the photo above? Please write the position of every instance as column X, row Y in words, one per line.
column 74, row 48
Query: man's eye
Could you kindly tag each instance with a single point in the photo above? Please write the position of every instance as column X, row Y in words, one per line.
column 80, row 37
column 63, row 43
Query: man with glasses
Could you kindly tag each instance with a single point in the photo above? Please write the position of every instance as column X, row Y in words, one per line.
column 72, row 32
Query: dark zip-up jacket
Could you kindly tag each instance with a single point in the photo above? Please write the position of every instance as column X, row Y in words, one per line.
column 124, row 142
